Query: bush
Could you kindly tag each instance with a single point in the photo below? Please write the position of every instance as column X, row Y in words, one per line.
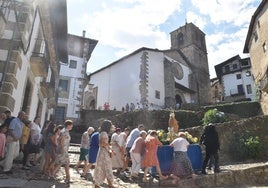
column 247, row 146
column 213, row 116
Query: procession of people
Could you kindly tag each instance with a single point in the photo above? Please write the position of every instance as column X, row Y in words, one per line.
column 108, row 149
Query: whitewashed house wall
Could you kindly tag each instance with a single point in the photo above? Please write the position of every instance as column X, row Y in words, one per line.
column 73, row 76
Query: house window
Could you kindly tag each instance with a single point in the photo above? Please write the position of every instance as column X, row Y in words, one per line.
column 259, row 25
column 238, row 76
column 240, row 89
column 73, row 64
column 264, row 47
column 249, row 89
column 63, row 85
column 245, row 63
column 234, row 66
column 60, row 113
column 157, row 94
column 227, row 68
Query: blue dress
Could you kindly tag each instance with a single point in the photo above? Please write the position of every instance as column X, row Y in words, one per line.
column 93, row 147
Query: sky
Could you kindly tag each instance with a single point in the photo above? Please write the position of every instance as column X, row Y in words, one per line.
column 123, row 26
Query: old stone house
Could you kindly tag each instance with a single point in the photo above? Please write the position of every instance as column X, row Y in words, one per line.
column 236, row 80
column 256, row 45
column 73, row 77
column 215, row 90
column 154, row 79
column 33, row 40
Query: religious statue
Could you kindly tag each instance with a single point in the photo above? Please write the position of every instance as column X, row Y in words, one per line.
column 173, row 123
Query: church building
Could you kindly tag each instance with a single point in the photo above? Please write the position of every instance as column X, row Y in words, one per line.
column 155, row 79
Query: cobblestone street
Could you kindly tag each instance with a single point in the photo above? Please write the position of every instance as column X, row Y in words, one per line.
column 33, row 178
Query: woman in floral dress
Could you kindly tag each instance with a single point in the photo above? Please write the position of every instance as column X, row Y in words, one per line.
column 104, row 167
column 62, row 156
column 150, row 156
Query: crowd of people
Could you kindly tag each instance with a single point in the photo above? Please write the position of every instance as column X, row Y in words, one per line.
column 46, row 146
column 109, row 149
column 113, row 151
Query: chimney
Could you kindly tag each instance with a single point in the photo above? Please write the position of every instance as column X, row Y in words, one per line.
column 84, row 33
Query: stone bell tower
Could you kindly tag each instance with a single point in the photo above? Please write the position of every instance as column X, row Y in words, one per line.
column 190, row 40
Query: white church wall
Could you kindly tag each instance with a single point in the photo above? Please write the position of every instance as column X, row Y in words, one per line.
column 156, row 79
column 100, row 80
column 119, row 83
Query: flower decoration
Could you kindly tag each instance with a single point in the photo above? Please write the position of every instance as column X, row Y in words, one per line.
column 168, row 137
column 190, row 138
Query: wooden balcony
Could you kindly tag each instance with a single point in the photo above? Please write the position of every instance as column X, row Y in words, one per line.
column 47, row 89
column 39, row 65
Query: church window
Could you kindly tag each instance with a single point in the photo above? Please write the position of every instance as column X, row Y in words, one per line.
column 157, row 94
column 180, row 38
column 177, row 71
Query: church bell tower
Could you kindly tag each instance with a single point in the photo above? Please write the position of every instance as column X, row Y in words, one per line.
column 190, row 40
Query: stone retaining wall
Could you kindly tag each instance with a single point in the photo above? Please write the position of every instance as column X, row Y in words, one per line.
column 227, row 131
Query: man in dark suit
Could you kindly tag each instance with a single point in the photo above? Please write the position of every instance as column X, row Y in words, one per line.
column 210, row 139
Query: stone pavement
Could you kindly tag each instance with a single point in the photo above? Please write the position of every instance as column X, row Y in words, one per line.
column 240, row 175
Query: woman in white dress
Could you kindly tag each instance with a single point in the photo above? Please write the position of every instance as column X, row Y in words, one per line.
column 116, row 157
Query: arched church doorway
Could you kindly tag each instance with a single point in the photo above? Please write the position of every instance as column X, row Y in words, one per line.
column 92, row 105
column 178, row 101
